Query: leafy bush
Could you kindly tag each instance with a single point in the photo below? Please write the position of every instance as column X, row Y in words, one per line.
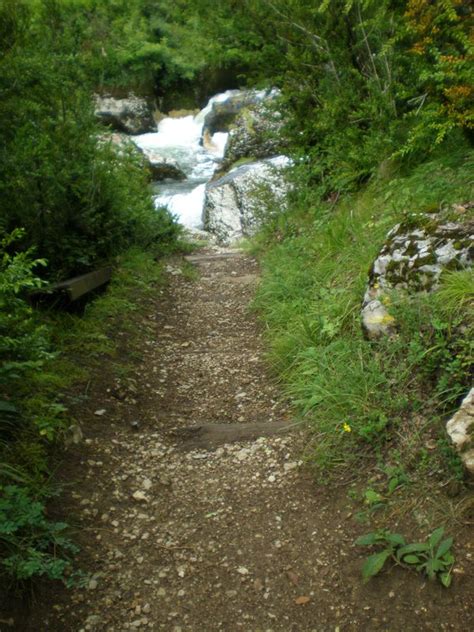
column 361, row 80
column 80, row 202
column 433, row 558
column 23, row 343
column 31, row 546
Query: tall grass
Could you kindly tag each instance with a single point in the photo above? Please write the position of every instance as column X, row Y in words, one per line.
column 357, row 394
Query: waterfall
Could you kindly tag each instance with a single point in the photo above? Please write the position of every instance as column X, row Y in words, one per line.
column 179, row 139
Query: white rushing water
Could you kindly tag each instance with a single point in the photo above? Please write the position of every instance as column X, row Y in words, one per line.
column 179, row 139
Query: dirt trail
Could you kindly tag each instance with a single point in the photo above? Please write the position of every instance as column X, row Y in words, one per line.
column 231, row 536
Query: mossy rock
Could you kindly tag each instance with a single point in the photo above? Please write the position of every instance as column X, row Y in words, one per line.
column 414, row 256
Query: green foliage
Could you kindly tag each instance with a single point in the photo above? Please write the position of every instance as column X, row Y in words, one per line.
column 397, row 477
column 22, row 341
column 79, row 202
column 24, row 345
column 456, row 292
column 433, row 558
column 362, row 398
column 361, row 80
column 34, row 400
column 31, row 546
column 441, row 54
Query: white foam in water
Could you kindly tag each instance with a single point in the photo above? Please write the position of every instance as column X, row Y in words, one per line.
column 179, row 139
column 172, row 132
column 186, row 206
column 219, row 141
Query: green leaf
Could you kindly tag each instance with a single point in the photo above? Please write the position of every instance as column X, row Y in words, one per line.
column 367, row 540
column 372, row 496
column 416, row 547
column 7, row 407
column 444, row 547
column 411, row 559
column 374, row 564
column 447, row 559
column 393, row 484
column 396, row 539
column 435, row 537
column 446, row 579
column 437, row 565
column 430, row 571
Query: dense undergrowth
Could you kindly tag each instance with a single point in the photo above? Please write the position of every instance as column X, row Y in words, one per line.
column 382, row 403
column 70, row 204
column 79, row 201
column 61, row 353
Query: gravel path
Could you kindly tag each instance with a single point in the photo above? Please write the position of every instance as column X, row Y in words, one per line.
column 235, row 536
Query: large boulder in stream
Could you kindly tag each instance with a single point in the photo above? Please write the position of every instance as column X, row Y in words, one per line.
column 157, row 166
column 224, row 109
column 414, row 255
column 257, row 133
column 162, row 167
column 236, row 203
column 131, row 115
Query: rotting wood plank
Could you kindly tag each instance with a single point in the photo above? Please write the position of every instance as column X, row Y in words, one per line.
column 204, row 258
column 78, row 286
column 210, row 435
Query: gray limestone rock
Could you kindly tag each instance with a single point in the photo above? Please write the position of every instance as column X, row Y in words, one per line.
column 412, row 259
column 132, row 115
column 162, row 167
column 460, row 428
column 235, row 202
column 256, row 133
column 223, row 112
column 159, row 167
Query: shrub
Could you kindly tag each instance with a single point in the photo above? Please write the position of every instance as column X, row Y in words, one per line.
column 31, row 546
column 23, row 343
column 79, row 201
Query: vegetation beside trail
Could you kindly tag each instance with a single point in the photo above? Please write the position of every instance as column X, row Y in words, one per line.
column 377, row 96
column 70, row 204
column 59, row 354
column 377, row 409
column 386, row 399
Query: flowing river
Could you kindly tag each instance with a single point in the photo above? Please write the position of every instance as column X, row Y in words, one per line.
column 179, row 139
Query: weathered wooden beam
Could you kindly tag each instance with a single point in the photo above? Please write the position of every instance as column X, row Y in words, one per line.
column 80, row 285
column 76, row 287
column 216, row 256
column 208, row 436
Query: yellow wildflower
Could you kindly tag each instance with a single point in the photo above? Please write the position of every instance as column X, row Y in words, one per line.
column 347, row 428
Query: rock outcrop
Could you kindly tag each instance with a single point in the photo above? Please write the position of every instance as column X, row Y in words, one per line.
column 413, row 257
column 122, row 145
column 132, row 115
column 235, row 203
column 460, row 428
column 222, row 111
column 162, row 167
column 158, row 167
column 256, row 133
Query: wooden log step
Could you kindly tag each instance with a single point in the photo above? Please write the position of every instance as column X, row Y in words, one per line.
column 204, row 258
column 208, row 436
